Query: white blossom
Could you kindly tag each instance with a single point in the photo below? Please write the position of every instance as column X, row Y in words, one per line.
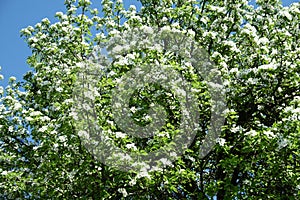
column 147, row 29
column 35, row 113
column 33, row 40
column 17, row 106
column 165, row 161
column 59, row 14
column 120, row 135
column 143, row 173
column 252, row 81
column 29, row 119
column 235, row 129
column 287, row 14
column 25, row 31
column 87, row 1
column 132, row 182
column 204, row 19
column 180, row 92
column 123, row 192
column 72, row 9
column 43, row 129
column 166, row 29
column 269, row 134
column 221, row 141
column 191, row 32
column 111, row 73
column 74, row 115
column 288, row 109
column 133, row 109
column 114, row 32
column 249, row 29
column 132, row 7
column 296, row 110
column 251, row 133
column 268, row 66
column 232, row 45
column 117, row 49
column 263, row 40
column 218, row 9
column 83, row 134
column 10, row 128
column 35, row 148
column 234, row 70
column 130, row 56
column 173, row 154
column 4, row 173
column 12, row 78
column 246, row 182
column 53, row 132
column 283, row 143
column 131, row 146
column 110, row 122
column 46, row 21
column 62, row 138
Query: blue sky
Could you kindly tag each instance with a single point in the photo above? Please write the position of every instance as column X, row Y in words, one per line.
column 15, row 15
column 18, row 14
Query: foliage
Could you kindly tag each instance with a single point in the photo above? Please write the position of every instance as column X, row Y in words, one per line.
column 257, row 156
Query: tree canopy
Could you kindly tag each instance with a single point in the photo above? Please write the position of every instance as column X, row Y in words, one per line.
column 255, row 52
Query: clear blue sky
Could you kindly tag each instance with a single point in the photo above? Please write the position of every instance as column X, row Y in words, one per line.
column 15, row 15
column 18, row 14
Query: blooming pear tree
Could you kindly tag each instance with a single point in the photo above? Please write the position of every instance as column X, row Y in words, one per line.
column 253, row 155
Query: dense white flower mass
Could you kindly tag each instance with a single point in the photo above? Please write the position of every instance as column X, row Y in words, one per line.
column 255, row 51
column 286, row 13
